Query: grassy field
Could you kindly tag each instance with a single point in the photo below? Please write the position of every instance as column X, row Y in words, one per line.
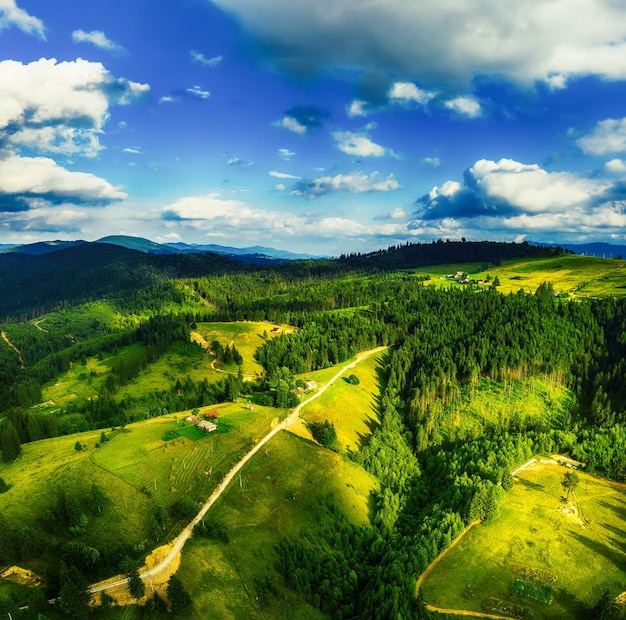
column 168, row 469
column 247, row 337
column 280, row 494
column 50, row 464
column 575, row 550
column 351, row 408
column 578, row 276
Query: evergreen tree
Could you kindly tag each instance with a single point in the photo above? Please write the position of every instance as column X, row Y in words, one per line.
column 179, row 598
column 10, row 445
column 136, row 586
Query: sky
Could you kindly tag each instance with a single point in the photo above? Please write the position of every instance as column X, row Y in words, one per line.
column 326, row 126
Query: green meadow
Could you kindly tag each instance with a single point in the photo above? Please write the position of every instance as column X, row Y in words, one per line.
column 167, row 458
column 351, row 408
column 247, row 336
column 281, row 494
column 578, row 276
column 51, row 464
column 541, row 557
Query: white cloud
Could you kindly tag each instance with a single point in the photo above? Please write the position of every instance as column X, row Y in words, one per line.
column 197, row 92
column 356, row 108
column 169, row 99
column 26, row 178
column 405, row 92
column 59, row 107
column 608, row 136
column 449, row 42
column 12, row 15
column 97, row 38
column 465, row 106
column 237, row 161
column 282, row 175
column 615, row 166
column 354, row 182
column 517, row 198
column 291, row 124
column 435, row 162
column 279, row 187
column 286, row 154
column 134, row 150
column 201, row 59
column 359, row 144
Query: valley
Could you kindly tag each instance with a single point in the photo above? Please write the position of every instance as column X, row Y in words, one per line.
column 362, row 413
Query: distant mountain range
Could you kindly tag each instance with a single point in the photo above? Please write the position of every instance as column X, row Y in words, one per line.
column 601, row 250
column 256, row 255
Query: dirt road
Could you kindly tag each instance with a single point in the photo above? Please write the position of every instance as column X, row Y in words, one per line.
column 179, row 542
column 19, row 354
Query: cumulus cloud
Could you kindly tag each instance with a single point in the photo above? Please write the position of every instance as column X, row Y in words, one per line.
column 219, row 217
column 59, row 107
column 197, row 92
column 97, row 38
column 282, row 175
column 407, row 92
column 286, row 154
column 169, row 99
column 201, row 59
column 608, row 136
column 434, row 42
column 354, row 182
column 27, row 181
column 359, row 144
column 511, row 196
column 464, row 106
column 615, row 166
column 303, row 119
column 11, row 15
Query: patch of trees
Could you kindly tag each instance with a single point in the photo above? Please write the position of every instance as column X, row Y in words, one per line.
column 324, row 433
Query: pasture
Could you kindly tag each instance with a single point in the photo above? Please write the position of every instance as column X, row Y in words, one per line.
column 351, row 408
column 47, row 465
column 577, row 276
column 538, row 549
column 247, row 336
column 169, row 469
column 280, row 495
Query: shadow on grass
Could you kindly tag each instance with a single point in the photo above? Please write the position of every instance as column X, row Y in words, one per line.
column 612, row 555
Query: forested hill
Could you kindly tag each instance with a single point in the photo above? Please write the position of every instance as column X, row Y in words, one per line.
column 447, row 252
column 34, row 284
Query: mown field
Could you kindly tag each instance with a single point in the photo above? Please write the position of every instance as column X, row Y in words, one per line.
column 566, row 553
column 150, row 458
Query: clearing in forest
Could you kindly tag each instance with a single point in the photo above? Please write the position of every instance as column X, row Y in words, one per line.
column 542, row 556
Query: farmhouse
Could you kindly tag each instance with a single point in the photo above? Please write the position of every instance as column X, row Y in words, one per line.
column 311, row 385
column 191, row 418
column 205, row 425
column 211, row 415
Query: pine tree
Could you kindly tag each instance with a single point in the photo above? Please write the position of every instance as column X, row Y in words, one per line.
column 10, row 443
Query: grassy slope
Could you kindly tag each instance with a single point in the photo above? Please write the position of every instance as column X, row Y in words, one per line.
column 280, row 496
column 531, row 531
column 580, row 276
column 246, row 336
column 46, row 465
column 351, row 408
column 141, row 456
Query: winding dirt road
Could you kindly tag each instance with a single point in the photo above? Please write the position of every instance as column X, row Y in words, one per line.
column 179, row 542
column 19, row 353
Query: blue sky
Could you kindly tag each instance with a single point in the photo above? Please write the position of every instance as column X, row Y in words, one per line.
column 324, row 127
